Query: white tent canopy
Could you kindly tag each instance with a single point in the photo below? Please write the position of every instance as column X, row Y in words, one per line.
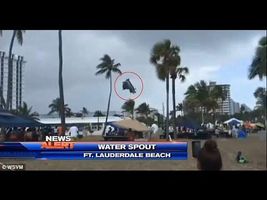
column 233, row 119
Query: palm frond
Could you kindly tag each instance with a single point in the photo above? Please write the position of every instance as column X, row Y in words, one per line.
column 161, row 72
column 106, row 58
column 102, row 65
column 182, row 78
column 263, row 41
column 116, row 70
column 19, row 36
column 51, row 111
column 154, row 59
column 258, row 64
column 116, row 65
column 101, row 71
column 108, row 74
column 176, row 49
column 182, row 70
column 160, row 48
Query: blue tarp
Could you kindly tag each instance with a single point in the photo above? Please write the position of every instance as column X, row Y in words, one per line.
column 242, row 134
column 17, row 121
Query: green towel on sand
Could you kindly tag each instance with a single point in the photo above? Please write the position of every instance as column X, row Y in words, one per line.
column 242, row 160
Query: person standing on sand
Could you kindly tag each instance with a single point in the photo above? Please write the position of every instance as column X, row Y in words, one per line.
column 209, row 157
column 73, row 131
column 59, row 130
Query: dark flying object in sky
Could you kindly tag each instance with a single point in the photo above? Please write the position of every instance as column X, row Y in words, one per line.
column 127, row 85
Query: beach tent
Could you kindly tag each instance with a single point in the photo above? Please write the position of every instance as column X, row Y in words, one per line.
column 130, row 124
column 8, row 119
column 233, row 122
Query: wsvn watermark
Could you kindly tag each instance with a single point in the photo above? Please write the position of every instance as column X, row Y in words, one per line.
column 12, row 167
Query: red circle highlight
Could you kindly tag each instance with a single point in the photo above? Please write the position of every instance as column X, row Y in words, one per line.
column 115, row 83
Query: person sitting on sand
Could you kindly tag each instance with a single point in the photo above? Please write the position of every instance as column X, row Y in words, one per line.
column 209, row 157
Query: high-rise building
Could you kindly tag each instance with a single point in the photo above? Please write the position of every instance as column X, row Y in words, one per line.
column 235, row 107
column 224, row 106
column 16, row 84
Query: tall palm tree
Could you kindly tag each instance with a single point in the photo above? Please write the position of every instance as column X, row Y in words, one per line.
column 165, row 56
column 143, row 109
column 98, row 114
column 84, row 111
column 19, row 35
column 176, row 72
column 107, row 66
column 258, row 65
column 55, row 108
column 26, row 111
column 60, row 82
column 128, row 106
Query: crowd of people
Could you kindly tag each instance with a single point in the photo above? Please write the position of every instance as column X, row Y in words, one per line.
column 37, row 133
column 220, row 130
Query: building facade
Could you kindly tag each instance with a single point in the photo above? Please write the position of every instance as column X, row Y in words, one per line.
column 16, row 81
column 235, row 107
column 224, row 106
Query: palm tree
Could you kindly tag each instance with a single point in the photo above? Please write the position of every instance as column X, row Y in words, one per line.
column 84, row 111
column 258, row 65
column 60, row 82
column 242, row 109
column 107, row 66
column 164, row 57
column 176, row 72
column 19, row 35
column 26, row 112
column 68, row 112
column 143, row 109
column 55, row 108
column 128, row 106
column 261, row 96
column 180, row 107
column 205, row 97
column 98, row 114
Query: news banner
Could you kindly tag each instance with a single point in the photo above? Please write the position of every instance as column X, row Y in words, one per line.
column 62, row 148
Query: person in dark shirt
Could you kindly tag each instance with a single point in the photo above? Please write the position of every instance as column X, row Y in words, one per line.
column 209, row 157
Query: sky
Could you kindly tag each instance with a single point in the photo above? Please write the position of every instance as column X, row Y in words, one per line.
column 221, row 56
